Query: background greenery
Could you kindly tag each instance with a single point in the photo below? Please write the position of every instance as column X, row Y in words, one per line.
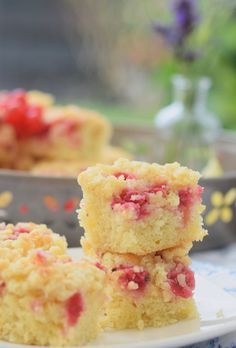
column 215, row 40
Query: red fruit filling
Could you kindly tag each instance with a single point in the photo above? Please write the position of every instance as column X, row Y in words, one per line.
column 126, row 176
column 74, row 307
column 132, row 278
column 21, row 229
column 17, row 230
column 159, row 188
column 26, row 119
column 2, row 287
column 131, row 199
column 199, row 192
column 41, row 257
column 181, row 280
column 187, row 197
column 101, row 267
column 138, row 200
column 68, row 129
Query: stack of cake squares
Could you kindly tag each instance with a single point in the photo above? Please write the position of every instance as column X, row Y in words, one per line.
column 140, row 221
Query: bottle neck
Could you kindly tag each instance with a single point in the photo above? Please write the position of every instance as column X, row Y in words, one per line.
column 192, row 95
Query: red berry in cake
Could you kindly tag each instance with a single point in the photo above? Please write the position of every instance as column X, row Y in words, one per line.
column 74, row 308
column 181, row 281
column 100, row 266
column 125, row 176
column 26, row 119
column 187, row 198
column 69, row 129
column 132, row 199
column 199, row 192
column 159, row 188
column 133, row 278
column 17, row 230
column 138, row 200
column 21, row 229
column 34, row 123
column 2, row 288
column 41, row 257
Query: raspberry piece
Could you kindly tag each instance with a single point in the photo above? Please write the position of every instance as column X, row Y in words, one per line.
column 138, row 200
column 133, row 196
column 68, row 129
column 41, row 257
column 126, row 176
column 99, row 266
column 159, row 188
column 74, row 307
column 17, row 230
column 34, row 121
column 199, row 192
column 21, row 229
column 132, row 278
column 26, row 119
column 2, row 287
column 135, row 200
column 187, row 197
column 181, row 280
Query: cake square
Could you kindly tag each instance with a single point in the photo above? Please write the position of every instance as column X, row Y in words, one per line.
column 43, row 291
column 48, row 300
column 136, row 207
column 148, row 291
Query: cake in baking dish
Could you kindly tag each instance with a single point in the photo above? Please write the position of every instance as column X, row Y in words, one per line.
column 32, row 128
column 149, row 291
column 136, row 207
column 72, row 168
column 72, row 133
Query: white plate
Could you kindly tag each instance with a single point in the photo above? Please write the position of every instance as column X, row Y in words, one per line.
column 217, row 311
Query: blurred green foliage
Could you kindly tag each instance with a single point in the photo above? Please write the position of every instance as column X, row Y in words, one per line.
column 122, row 113
column 225, row 73
column 138, row 48
column 215, row 39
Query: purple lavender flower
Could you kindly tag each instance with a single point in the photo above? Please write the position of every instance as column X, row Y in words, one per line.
column 185, row 21
column 185, row 16
column 172, row 37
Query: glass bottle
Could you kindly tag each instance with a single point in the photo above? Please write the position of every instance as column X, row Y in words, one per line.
column 186, row 129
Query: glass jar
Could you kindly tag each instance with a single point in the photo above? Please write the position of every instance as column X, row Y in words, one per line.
column 186, row 129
